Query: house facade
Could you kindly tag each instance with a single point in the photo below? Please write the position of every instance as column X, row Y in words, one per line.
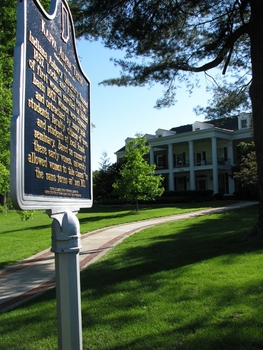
column 199, row 155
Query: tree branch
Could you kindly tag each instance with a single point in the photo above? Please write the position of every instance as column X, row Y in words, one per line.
column 228, row 46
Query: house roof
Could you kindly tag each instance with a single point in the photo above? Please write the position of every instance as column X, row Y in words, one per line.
column 121, row 149
column 182, row 128
column 229, row 123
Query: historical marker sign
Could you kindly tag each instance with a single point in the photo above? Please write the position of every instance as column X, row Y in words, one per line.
column 50, row 132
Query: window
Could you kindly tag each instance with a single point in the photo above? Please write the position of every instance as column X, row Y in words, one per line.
column 243, row 123
column 160, row 161
column 200, row 158
column 180, row 159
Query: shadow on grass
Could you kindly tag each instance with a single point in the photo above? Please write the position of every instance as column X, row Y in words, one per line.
column 161, row 252
column 141, row 265
column 127, row 210
column 33, row 229
column 138, row 269
column 83, row 220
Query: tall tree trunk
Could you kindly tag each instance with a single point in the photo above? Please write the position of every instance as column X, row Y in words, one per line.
column 256, row 95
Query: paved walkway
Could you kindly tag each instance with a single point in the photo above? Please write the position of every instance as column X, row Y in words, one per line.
column 34, row 275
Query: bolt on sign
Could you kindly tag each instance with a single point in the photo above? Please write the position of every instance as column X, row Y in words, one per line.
column 51, row 127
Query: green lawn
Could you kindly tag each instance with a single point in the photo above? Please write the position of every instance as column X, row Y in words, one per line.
column 21, row 239
column 192, row 284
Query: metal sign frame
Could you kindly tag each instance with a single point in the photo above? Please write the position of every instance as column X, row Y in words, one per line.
column 51, row 126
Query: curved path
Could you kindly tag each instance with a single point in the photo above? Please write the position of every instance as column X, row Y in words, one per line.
column 27, row 278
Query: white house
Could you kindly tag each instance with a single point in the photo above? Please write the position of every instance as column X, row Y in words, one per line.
column 198, row 155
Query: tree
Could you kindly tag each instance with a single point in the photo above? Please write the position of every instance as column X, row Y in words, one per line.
column 173, row 38
column 7, row 42
column 5, row 117
column 104, row 178
column 227, row 99
column 104, row 161
column 167, row 41
column 246, row 171
column 137, row 181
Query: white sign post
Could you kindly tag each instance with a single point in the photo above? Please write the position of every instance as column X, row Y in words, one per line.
column 66, row 246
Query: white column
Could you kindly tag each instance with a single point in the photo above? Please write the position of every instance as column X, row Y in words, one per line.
column 215, row 165
column 170, row 164
column 151, row 155
column 191, row 164
column 230, row 155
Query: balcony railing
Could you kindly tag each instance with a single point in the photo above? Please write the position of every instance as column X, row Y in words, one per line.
column 209, row 161
column 197, row 162
column 201, row 162
column 221, row 161
column 182, row 164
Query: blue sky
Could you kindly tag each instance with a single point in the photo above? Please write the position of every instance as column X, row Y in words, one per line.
column 119, row 112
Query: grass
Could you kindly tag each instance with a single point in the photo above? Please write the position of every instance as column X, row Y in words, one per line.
column 21, row 239
column 186, row 285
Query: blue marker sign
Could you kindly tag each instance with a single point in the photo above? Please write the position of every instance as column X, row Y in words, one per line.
column 50, row 130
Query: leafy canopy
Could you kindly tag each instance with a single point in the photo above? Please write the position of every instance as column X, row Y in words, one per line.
column 137, row 181
column 7, row 42
column 104, row 178
column 165, row 41
column 245, row 172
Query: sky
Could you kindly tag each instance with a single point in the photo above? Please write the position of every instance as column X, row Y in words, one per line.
column 121, row 112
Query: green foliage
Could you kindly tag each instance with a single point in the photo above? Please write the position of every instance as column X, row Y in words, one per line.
column 4, row 179
column 45, row 4
column 104, row 178
column 167, row 40
column 26, row 215
column 227, row 99
column 138, row 182
column 104, row 161
column 7, row 42
column 7, row 30
column 4, row 209
column 246, row 171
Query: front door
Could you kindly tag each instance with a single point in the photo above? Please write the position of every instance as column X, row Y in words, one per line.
column 201, row 184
